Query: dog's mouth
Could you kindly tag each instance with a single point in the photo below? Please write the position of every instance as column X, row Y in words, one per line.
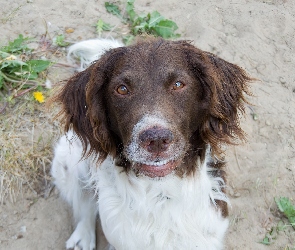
column 157, row 169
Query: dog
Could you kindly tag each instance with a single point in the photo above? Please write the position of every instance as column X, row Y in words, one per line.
column 146, row 126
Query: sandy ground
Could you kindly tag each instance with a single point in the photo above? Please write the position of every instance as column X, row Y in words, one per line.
column 258, row 35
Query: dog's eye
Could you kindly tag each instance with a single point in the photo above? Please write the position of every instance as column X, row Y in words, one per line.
column 122, row 90
column 178, row 85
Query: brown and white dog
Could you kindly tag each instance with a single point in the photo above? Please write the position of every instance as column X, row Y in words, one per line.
column 145, row 126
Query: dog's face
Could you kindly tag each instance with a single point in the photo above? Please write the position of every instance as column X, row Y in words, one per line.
column 155, row 105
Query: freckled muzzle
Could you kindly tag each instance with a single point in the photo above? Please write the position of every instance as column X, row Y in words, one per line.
column 155, row 149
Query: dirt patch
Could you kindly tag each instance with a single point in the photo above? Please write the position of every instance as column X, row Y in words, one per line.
column 257, row 35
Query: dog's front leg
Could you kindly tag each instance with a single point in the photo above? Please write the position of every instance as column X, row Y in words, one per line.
column 85, row 214
column 71, row 176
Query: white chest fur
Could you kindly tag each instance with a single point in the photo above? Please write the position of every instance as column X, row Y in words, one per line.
column 166, row 213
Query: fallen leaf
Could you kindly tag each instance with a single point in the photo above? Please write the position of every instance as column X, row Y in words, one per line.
column 69, row 30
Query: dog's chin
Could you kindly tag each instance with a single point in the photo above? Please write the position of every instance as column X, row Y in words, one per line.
column 157, row 169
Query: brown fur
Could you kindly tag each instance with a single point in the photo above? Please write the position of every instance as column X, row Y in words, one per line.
column 205, row 111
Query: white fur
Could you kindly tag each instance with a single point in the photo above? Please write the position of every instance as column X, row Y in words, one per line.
column 139, row 212
column 90, row 50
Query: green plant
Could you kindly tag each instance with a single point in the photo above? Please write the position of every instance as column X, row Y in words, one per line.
column 60, row 41
column 286, row 207
column 152, row 23
column 273, row 233
column 18, row 45
column 18, row 71
column 102, row 26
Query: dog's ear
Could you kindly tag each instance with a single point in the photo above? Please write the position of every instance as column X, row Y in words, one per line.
column 83, row 106
column 225, row 86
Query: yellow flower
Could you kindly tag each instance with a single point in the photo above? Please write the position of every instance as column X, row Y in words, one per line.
column 38, row 96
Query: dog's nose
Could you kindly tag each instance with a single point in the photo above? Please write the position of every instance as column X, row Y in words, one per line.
column 156, row 140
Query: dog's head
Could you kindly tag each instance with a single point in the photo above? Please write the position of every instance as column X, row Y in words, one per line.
column 155, row 105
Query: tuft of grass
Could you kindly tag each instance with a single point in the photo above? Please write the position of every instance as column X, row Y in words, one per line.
column 152, row 23
column 25, row 149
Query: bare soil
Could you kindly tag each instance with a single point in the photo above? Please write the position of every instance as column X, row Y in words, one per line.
column 258, row 35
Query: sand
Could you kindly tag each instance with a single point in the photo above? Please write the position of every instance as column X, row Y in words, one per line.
column 258, row 35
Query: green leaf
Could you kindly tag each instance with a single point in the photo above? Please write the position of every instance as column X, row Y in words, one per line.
column 4, row 55
column 265, row 241
column 141, row 28
column 15, row 70
column 128, row 39
column 154, row 18
column 130, row 10
column 102, row 26
column 31, row 70
column 60, row 41
column 18, row 45
column 113, row 9
column 166, row 28
column 285, row 206
column 8, row 65
column 32, row 75
column 38, row 65
column 1, row 81
column 139, row 19
column 99, row 27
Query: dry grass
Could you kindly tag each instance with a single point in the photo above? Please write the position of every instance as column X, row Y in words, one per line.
column 27, row 135
column 26, row 138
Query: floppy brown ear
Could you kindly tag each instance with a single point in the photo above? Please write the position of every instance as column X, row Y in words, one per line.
column 225, row 86
column 229, row 85
column 83, row 108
